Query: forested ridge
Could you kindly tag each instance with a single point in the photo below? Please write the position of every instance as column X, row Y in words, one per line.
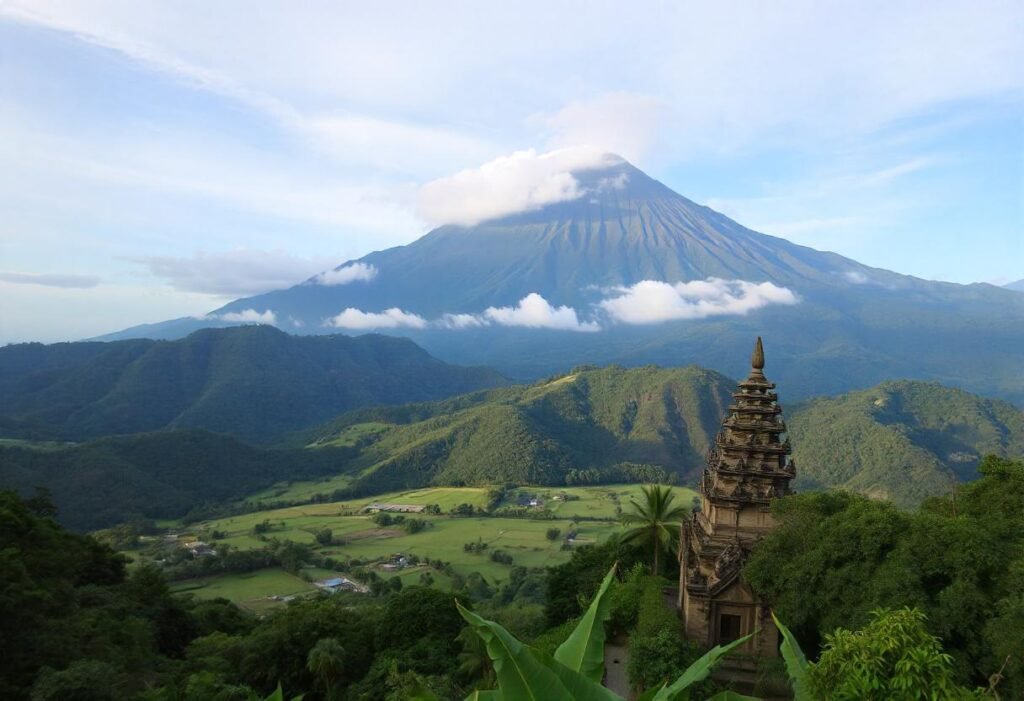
column 254, row 382
column 902, row 441
column 154, row 475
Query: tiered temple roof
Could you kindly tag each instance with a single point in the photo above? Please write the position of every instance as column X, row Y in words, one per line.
column 748, row 462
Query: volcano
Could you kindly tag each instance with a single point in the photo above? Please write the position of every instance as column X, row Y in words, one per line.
column 625, row 270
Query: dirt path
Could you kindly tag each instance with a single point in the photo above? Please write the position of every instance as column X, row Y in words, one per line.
column 615, row 677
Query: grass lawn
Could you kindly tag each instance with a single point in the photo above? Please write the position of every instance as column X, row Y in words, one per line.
column 250, row 589
column 355, row 434
column 297, row 491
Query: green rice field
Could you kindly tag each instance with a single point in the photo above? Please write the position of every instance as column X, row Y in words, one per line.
column 591, row 515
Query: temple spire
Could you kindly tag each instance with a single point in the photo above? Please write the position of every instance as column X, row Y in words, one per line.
column 757, row 357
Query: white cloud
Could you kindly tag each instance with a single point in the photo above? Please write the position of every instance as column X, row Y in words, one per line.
column 623, row 123
column 346, row 274
column 52, row 280
column 520, row 182
column 250, row 316
column 857, row 278
column 392, row 318
column 239, row 272
column 615, row 183
column 462, row 321
column 533, row 311
column 393, row 145
column 650, row 301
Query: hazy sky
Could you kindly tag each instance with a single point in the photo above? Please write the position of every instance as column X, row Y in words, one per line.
column 158, row 158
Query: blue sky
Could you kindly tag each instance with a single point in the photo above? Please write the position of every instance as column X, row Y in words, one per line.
column 162, row 157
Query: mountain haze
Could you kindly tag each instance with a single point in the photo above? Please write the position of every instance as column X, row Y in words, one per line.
column 834, row 324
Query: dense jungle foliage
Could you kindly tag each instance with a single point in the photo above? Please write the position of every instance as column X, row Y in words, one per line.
column 959, row 560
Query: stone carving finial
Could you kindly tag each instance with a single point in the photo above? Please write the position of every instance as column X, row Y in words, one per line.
column 757, row 359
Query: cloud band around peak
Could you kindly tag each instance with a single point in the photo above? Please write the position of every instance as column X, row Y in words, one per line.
column 646, row 302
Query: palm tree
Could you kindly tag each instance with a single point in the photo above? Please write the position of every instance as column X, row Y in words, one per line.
column 657, row 521
column 327, row 661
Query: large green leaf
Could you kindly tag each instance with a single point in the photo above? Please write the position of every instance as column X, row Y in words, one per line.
column 278, row 695
column 580, row 686
column 650, row 694
column 697, row 671
column 521, row 676
column 583, row 651
column 422, row 693
column 480, row 695
column 796, row 662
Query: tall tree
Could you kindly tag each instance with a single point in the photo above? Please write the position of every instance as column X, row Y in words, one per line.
column 655, row 520
column 326, row 660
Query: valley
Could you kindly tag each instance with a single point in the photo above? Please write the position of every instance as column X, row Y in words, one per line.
column 581, row 515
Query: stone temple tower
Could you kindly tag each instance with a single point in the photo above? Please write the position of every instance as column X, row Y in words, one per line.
column 747, row 467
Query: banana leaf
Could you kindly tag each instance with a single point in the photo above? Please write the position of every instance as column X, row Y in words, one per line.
column 521, row 676
column 583, row 650
column 796, row 662
column 676, row 691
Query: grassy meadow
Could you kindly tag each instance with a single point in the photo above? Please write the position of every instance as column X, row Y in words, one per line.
column 591, row 512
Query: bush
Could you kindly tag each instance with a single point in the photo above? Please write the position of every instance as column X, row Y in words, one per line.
column 502, row 557
column 414, row 525
column 625, row 599
column 553, row 533
column 657, row 651
column 893, row 657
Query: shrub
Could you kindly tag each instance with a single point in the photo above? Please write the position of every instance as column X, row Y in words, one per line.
column 657, row 650
column 625, row 599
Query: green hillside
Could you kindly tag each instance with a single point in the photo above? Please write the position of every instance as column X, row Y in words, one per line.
column 153, row 475
column 589, row 426
column 901, row 440
column 254, row 382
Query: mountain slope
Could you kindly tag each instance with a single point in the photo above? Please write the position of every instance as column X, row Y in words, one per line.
column 901, row 440
column 254, row 382
column 590, row 425
column 851, row 325
column 153, row 475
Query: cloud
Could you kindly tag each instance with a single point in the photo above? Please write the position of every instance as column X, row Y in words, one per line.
column 346, row 274
column 616, row 183
column 624, row 123
column 533, row 311
column 650, row 301
column 52, row 280
column 857, row 278
column 239, row 272
column 462, row 321
column 249, row 316
column 521, row 182
column 392, row 318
